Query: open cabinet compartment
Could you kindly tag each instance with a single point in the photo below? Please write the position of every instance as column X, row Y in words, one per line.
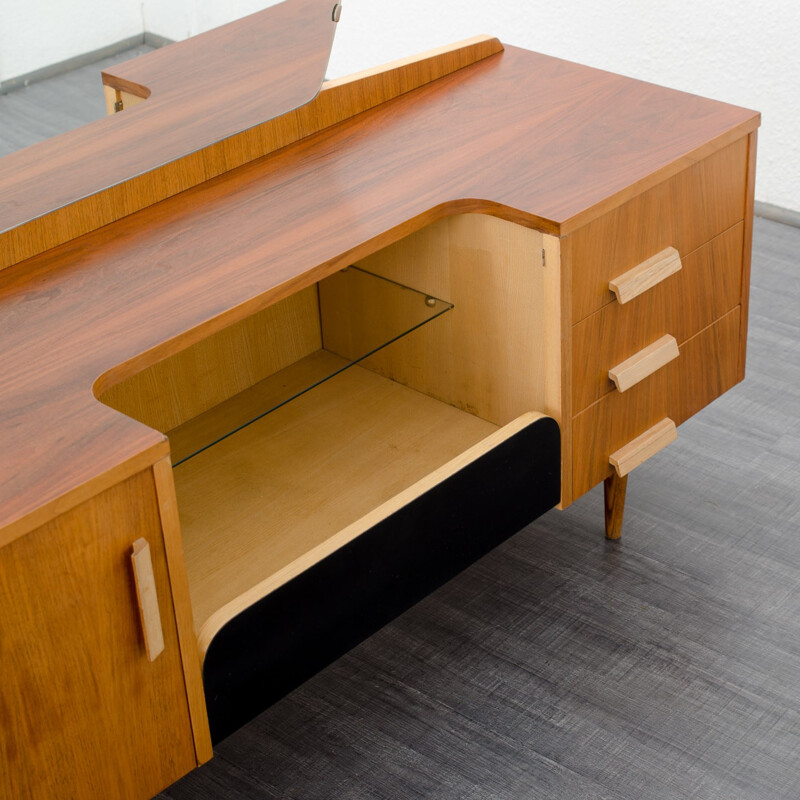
column 346, row 450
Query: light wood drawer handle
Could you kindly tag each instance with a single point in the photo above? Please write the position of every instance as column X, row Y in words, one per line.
column 646, row 275
column 642, row 447
column 644, row 363
column 148, row 599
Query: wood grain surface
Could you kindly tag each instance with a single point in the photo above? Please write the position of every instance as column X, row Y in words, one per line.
column 707, row 367
column 506, row 315
column 173, row 391
column 644, row 446
column 684, row 213
column 707, row 288
column 402, row 500
column 646, row 275
column 155, row 282
column 78, row 689
column 614, row 489
column 566, row 666
column 644, row 363
column 184, row 617
column 84, row 205
column 752, row 151
column 274, row 492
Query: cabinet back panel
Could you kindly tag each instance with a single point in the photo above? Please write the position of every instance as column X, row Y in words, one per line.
column 498, row 353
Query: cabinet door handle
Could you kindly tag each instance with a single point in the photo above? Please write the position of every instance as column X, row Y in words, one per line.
column 646, row 275
column 148, row 599
column 636, row 368
column 638, row 450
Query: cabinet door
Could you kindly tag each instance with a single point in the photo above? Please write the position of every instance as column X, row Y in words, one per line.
column 83, row 712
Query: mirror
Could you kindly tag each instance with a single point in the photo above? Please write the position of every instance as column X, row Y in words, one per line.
column 198, row 92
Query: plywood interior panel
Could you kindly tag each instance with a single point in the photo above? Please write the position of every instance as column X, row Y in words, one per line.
column 182, row 387
column 269, row 494
column 498, row 353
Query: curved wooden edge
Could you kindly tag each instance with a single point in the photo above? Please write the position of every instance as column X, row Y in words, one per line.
column 182, row 604
column 214, row 624
column 147, row 358
column 658, row 176
column 336, row 102
column 74, row 497
column 443, row 60
column 151, row 454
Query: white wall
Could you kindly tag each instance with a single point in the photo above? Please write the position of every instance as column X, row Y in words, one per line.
column 733, row 50
column 178, row 19
column 37, row 33
column 738, row 51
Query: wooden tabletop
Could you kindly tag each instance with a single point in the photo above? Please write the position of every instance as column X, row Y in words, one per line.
column 543, row 142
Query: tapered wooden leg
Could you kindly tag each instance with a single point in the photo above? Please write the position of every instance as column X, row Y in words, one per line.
column 615, row 504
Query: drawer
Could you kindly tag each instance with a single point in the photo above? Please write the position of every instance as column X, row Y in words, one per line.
column 683, row 212
column 706, row 288
column 406, row 549
column 707, row 367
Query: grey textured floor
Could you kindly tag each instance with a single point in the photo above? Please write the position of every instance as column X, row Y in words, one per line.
column 565, row 666
column 56, row 105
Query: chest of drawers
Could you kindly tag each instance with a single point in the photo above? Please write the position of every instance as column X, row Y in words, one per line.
column 676, row 325
column 540, row 269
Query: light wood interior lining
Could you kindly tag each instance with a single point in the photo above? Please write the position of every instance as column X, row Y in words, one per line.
column 499, row 353
column 167, row 394
column 217, row 620
column 272, row 497
column 262, row 498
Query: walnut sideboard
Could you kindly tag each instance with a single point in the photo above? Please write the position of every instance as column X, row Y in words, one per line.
column 277, row 362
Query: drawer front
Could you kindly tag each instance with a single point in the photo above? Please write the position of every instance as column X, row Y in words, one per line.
column 706, row 288
column 706, row 367
column 683, row 212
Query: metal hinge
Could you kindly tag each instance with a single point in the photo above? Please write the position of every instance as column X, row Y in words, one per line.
column 544, row 258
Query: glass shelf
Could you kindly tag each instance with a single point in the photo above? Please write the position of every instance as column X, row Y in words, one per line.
column 360, row 313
